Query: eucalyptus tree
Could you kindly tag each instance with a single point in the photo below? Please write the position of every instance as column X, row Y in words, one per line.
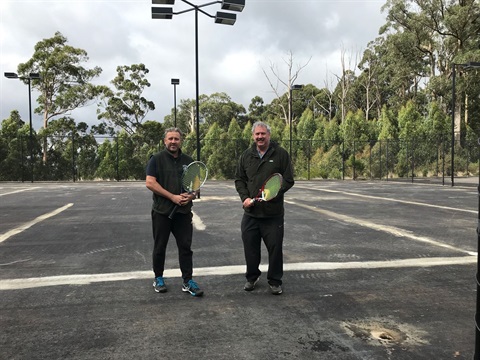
column 306, row 129
column 430, row 36
column 13, row 150
column 65, row 84
column 256, row 109
column 60, row 151
column 213, row 150
column 220, row 109
column 125, row 107
column 86, row 160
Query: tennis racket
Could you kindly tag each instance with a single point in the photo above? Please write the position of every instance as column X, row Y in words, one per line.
column 270, row 188
column 193, row 177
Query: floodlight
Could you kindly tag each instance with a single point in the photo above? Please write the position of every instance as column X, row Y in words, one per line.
column 162, row 12
column 233, row 5
column 164, row 2
column 225, row 18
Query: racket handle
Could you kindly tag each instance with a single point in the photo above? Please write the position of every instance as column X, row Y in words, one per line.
column 173, row 212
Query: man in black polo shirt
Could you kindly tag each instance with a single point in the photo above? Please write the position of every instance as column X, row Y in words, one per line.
column 164, row 173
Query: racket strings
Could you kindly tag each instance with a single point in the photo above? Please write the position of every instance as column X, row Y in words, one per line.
column 272, row 187
column 194, row 177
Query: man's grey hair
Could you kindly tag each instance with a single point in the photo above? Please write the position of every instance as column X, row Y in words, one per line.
column 173, row 129
column 261, row 124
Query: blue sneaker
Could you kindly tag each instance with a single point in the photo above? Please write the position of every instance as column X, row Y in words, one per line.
column 159, row 285
column 192, row 287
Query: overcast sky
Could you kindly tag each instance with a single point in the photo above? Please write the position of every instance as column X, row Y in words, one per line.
column 231, row 58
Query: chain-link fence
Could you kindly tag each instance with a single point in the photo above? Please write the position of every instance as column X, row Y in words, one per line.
column 123, row 158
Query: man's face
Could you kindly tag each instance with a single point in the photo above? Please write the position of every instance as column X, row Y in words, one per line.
column 261, row 137
column 172, row 142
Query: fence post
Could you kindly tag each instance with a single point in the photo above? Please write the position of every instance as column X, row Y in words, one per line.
column 380, row 143
column 413, row 159
column 443, row 160
column 73, row 156
column 477, row 312
column 354, row 160
column 370, row 160
column 117, row 161
column 386, row 159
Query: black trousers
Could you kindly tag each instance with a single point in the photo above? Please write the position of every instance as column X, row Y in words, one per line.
column 271, row 230
column 182, row 229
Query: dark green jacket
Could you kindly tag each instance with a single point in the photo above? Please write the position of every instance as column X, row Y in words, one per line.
column 252, row 171
column 168, row 171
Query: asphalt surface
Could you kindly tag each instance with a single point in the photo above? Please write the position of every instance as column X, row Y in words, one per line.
column 373, row 270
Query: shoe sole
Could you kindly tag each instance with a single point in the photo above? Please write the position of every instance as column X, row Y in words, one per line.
column 192, row 293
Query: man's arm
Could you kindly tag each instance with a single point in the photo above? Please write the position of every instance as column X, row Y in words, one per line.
column 155, row 187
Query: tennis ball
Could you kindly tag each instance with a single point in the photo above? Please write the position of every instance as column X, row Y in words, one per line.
column 196, row 182
column 266, row 194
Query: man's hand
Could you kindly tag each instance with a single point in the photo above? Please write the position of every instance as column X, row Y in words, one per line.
column 184, row 198
column 248, row 203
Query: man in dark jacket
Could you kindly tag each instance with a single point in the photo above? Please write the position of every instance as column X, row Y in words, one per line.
column 164, row 173
column 263, row 220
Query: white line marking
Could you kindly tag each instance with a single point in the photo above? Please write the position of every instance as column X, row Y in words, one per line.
column 17, row 191
column 15, row 262
column 29, row 224
column 28, row 283
column 384, row 228
column 197, row 222
column 394, row 200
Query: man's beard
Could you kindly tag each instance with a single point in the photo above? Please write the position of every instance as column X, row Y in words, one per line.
column 177, row 149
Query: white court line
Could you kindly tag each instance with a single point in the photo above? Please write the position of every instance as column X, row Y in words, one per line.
column 384, row 228
column 390, row 199
column 28, row 283
column 17, row 191
column 29, row 224
column 197, row 222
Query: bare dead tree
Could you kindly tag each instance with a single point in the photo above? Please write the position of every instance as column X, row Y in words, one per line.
column 329, row 94
column 343, row 80
column 284, row 84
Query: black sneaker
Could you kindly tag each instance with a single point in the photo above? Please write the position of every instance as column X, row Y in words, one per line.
column 250, row 285
column 159, row 285
column 276, row 289
column 192, row 288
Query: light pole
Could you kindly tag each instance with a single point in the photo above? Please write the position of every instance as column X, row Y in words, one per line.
column 30, row 77
column 220, row 18
column 175, row 82
column 290, row 112
column 469, row 65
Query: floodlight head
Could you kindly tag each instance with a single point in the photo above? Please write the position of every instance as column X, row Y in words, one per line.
column 473, row 64
column 297, row 87
column 175, row 81
column 225, row 18
column 162, row 12
column 11, row 75
column 164, row 2
column 233, row 5
column 34, row 76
